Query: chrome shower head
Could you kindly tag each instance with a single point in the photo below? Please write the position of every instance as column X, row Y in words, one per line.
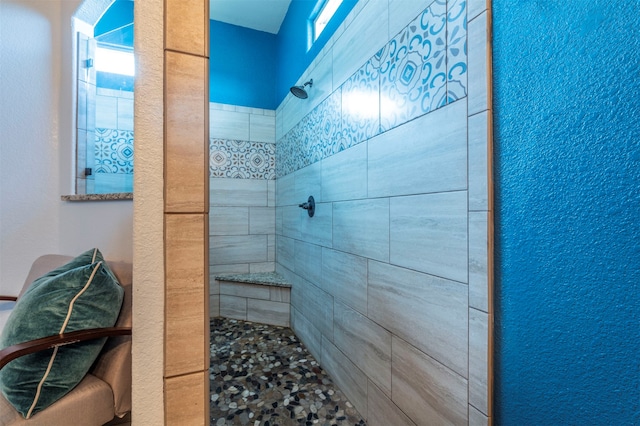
column 300, row 92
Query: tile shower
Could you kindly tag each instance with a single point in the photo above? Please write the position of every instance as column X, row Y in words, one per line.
column 113, row 149
column 390, row 278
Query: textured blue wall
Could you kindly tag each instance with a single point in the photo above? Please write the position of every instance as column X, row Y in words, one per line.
column 567, row 164
column 118, row 16
column 293, row 56
column 242, row 68
column 255, row 68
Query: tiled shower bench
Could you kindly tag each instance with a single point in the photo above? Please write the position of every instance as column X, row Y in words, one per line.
column 260, row 297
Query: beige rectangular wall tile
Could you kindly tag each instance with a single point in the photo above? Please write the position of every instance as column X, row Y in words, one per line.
column 254, row 291
column 362, row 228
column 237, row 249
column 262, row 220
column 344, row 175
column 365, row 343
column 349, row 378
column 291, row 219
column 401, row 12
column 214, row 284
column 271, row 192
column 286, row 190
column 268, row 312
column 106, row 112
column 187, row 399
column 286, row 252
column 427, row 311
column 478, row 260
column 280, row 294
column 478, row 70
column 475, row 8
column 214, row 305
column 233, row 307
column 308, row 262
column 186, row 135
column 426, row 390
column 125, row 114
column 479, row 391
column 479, row 161
column 185, row 292
column 229, row 221
column 307, row 333
column 262, row 128
column 187, row 26
column 345, row 277
column 382, row 411
column 279, row 219
column 256, row 268
column 238, row 268
column 476, row 418
column 360, row 40
column 315, row 304
column 320, row 70
column 317, row 229
column 428, row 154
column 271, row 248
column 229, row 125
column 238, row 192
column 308, row 181
column 429, row 234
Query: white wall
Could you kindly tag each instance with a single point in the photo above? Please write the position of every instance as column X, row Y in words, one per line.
column 36, row 147
column 148, row 232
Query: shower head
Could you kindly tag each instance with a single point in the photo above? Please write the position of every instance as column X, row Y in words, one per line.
column 300, row 92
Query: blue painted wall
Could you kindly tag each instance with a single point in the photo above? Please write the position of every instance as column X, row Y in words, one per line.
column 567, row 165
column 255, row 68
column 242, row 67
column 114, row 25
column 293, row 54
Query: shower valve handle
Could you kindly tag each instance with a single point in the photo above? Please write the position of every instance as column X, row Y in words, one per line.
column 309, row 206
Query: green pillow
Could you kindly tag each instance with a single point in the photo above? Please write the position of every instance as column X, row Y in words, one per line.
column 84, row 297
column 86, row 258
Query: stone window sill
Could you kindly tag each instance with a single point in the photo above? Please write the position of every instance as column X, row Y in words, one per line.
column 98, row 197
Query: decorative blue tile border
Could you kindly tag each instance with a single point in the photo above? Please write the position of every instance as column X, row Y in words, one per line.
column 113, row 151
column 423, row 68
column 241, row 159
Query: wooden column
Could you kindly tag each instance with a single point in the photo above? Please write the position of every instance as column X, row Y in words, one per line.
column 186, row 211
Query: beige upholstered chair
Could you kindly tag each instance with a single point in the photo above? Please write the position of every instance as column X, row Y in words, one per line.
column 103, row 393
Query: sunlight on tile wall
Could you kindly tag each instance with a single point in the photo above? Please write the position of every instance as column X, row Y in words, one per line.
column 241, row 193
column 391, row 278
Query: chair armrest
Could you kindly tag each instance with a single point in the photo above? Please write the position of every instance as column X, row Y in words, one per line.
column 9, row 298
column 16, row 351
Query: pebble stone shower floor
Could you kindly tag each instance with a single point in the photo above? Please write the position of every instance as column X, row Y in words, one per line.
column 262, row 375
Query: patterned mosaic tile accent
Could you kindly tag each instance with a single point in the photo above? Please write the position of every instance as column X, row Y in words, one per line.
column 114, row 151
column 424, row 67
column 241, row 159
column 360, row 105
column 456, row 50
column 413, row 78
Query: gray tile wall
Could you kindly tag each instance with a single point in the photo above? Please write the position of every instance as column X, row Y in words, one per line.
column 241, row 198
column 392, row 277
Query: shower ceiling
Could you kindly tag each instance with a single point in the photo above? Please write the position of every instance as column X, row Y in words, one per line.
column 261, row 15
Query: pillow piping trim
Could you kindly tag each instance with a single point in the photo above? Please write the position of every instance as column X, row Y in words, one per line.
column 55, row 350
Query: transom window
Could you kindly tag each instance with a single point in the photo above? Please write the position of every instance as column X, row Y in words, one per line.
column 323, row 14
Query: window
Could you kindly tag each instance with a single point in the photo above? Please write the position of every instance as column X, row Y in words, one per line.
column 115, row 61
column 322, row 15
column 105, row 67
